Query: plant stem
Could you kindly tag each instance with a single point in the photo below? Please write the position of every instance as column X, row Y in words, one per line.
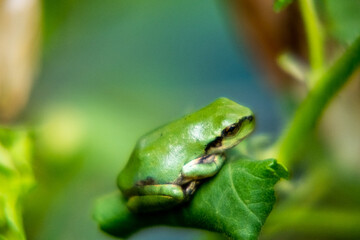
column 314, row 35
column 312, row 107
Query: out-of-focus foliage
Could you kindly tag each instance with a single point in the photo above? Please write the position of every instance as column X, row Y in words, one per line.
column 342, row 19
column 60, row 137
column 281, row 4
column 59, row 141
column 16, row 180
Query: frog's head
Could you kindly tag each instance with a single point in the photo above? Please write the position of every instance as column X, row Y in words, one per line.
column 233, row 123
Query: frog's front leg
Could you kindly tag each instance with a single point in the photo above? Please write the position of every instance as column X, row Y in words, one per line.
column 149, row 198
column 202, row 167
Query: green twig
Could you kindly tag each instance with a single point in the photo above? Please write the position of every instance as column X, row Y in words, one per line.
column 314, row 35
column 311, row 109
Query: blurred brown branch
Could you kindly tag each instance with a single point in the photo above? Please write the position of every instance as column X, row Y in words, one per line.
column 269, row 33
column 19, row 45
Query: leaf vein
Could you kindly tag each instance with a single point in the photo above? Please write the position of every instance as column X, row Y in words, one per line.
column 241, row 200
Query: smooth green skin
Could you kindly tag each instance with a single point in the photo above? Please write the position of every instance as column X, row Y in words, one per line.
column 168, row 157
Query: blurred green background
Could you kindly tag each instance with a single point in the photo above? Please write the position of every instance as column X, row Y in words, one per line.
column 109, row 71
column 123, row 68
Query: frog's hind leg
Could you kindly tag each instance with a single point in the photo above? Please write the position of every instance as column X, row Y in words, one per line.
column 200, row 168
column 151, row 198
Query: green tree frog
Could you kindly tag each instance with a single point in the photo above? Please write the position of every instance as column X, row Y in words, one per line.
column 168, row 163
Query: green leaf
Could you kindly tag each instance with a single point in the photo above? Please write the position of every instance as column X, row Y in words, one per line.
column 16, row 180
column 235, row 202
column 342, row 19
column 281, row 4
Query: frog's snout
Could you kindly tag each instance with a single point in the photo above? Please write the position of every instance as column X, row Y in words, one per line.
column 250, row 118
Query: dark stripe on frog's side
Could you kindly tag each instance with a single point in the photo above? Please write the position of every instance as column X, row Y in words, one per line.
column 214, row 144
column 147, row 181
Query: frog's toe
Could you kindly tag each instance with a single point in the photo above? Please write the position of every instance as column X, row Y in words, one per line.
column 152, row 198
column 200, row 168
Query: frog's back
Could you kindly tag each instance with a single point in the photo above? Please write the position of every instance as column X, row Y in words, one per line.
column 160, row 155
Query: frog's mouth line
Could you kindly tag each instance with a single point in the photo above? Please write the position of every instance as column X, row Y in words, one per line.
column 217, row 143
column 214, row 144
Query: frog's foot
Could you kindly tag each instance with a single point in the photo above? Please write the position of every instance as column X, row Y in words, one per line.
column 150, row 198
column 190, row 188
column 200, row 168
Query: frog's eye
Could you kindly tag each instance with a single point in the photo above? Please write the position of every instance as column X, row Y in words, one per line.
column 231, row 130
